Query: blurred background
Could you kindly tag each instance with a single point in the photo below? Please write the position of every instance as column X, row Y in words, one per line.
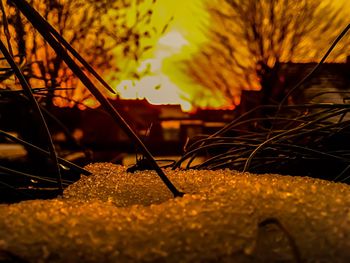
column 178, row 69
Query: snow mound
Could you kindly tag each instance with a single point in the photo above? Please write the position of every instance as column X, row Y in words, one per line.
column 114, row 216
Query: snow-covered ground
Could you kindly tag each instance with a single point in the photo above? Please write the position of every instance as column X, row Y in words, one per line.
column 113, row 216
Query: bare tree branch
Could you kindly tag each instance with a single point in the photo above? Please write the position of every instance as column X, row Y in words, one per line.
column 249, row 39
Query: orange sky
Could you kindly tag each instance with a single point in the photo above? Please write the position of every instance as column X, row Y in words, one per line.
column 183, row 38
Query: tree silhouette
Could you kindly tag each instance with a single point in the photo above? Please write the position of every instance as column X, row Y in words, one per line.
column 111, row 35
column 249, row 39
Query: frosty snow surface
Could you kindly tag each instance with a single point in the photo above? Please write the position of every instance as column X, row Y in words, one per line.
column 114, row 216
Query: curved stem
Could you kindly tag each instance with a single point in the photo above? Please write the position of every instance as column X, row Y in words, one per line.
column 36, row 108
column 43, row 152
column 42, row 25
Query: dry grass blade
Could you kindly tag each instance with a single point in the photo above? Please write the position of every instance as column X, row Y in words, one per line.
column 39, row 178
column 298, row 136
column 307, row 137
column 60, row 39
column 308, row 76
column 15, row 94
column 41, row 25
column 38, row 150
column 36, row 108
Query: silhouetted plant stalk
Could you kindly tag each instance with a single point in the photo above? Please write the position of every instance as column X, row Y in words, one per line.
column 316, row 68
column 41, row 151
column 296, row 87
column 43, row 27
column 303, row 134
column 39, row 178
column 61, row 40
column 28, row 92
column 298, row 132
column 48, row 114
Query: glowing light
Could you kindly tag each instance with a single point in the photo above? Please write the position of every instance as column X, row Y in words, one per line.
column 157, row 88
column 167, row 83
column 173, row 39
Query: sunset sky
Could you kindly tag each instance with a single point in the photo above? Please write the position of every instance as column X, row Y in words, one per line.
column 183, row 38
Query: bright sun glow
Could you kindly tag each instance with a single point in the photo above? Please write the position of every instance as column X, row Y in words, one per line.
column 157, row 88
column 167, row 84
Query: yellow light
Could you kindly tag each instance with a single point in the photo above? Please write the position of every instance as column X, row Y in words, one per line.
column 168, row 85
column 157, row 88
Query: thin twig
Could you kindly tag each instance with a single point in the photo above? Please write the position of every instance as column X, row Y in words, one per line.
column 26, row 87
column 42, row 25
column 45, row 153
